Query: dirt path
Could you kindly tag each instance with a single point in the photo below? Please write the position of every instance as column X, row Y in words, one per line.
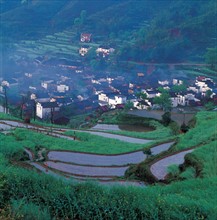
column 159, row 169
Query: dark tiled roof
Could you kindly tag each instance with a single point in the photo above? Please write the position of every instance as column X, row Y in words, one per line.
column 49, row 104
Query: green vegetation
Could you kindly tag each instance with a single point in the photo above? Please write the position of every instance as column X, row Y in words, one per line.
column 89, row 143
column 120, row 117
column 24, row 192
column 204, row 131
column 163, row 100
column 211, row 57
column 187, row 199
column 149, row 31
column 8, row 117
column 154, row 36
column 161, row 132
column 202, row 162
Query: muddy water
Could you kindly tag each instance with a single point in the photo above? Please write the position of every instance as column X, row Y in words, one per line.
column 87, row 171
column 160, row 148
column 97, row 160
column 137, row 128
column 159, row 169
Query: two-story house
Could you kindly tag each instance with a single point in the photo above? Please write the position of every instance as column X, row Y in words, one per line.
column 44, row 109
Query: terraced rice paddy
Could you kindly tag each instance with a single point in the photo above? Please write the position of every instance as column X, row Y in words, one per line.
column 96, row 160
column 88, row 170
column 97, row 166
column 58, row 43
column 159, row 169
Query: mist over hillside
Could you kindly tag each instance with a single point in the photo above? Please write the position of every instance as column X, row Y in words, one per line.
column 139, row 31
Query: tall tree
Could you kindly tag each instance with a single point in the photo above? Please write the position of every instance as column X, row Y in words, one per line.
column 211, row 57
column 5, row 88
column 164, row 100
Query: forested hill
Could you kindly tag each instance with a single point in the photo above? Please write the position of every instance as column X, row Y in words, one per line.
column 142, row 31
column 185, row 28
column 33, row 18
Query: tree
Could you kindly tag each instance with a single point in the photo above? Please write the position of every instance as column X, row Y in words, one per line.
column 211, row 57
column 147, row 152
column 208, row 93
column 128, row 106
column 166, row 118
column 179, row 88
column 79, row 21
column 83, row 16
column 184, row 128
column 141, row 95
column 5, row 88
column 164, row 100
column 209, row 106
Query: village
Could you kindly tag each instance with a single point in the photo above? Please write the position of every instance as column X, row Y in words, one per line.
column 64, row 84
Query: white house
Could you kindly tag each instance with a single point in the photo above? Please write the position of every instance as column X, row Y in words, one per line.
column 193, row 88
column 116, row 100
column 105, row 51
column 33, row 96
column 163, row 82
column 151, row 93
column 103, row 97
column 62, row 88
column 142, row 104
column 44, row 109
column 174, row 101
column 177, row 82
column 182, row 100
column 84, row 50
column 45, row 84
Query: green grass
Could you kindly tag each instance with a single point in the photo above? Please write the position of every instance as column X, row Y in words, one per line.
column 158, row 134
column 204, row 132
column 89, row 143
column 192, row 199
column 204, row 71
column 207, row 157
column 26, row 192
column 4, row 116
column 56, row 43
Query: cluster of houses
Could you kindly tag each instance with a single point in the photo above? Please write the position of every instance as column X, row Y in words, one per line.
column 100, row 92
column 191, row 96
column 102, row 50
column 110, row 93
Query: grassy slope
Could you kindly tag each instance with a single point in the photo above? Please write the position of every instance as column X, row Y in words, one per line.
column 189, row 199
column 204, row 132
column 90, row 143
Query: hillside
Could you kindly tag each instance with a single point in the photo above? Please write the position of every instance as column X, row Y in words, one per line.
column 177, row 33
column 35, row 18
column 141, row 31
column 189, row 192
